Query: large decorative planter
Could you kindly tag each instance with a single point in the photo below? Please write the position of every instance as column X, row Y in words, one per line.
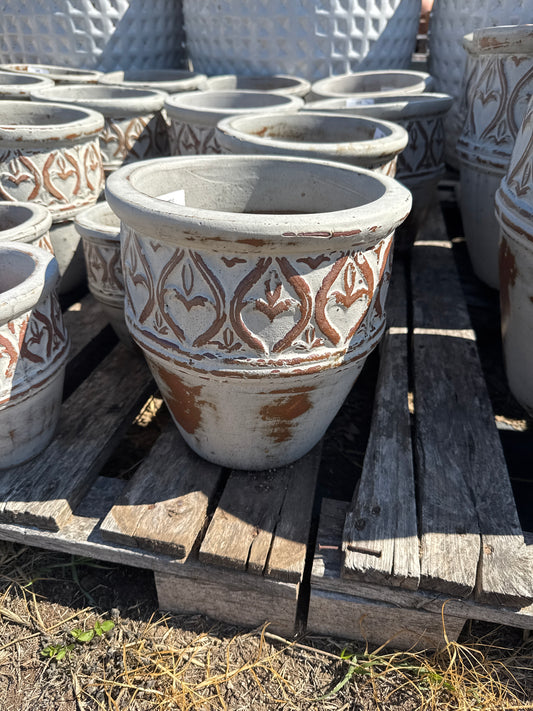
column 25, row 222
column 57, row 74
column 360, row 85
column 421, row 165
column 171, row 81
column 514, row 210
column 363, row 142
column 134, row 127
column 496, row 98
column 450, row 21
column 50, row 154
column 193, row 116
column 96, row 34
column 33, row 351
column 256, row 302
column 280, row 83
column 308, row 38
column 99, row 228
column 16, row 86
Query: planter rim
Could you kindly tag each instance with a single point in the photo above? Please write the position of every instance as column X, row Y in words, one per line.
column 32, row 220
column 232, row 130
column 389, row 204
column 40, row 278
column 399, row 106
column 168, row 80
column 90, row 222
column 78, row 122
column 110, row 100
column 325, row 88
column 14, row 85
column 188, row 105
column 52, row 71
column 513, row 214
column 290, row 84
column 504, row 39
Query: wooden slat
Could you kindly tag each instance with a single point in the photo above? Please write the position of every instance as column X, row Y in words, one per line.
column 164, row 506
column 253, row 507
column 44, row 491
column 380, row 541
column 83, row 320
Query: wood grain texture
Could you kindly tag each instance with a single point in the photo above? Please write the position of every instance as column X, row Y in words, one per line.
column 45, row 491
column 380, row 541
column 164, row 506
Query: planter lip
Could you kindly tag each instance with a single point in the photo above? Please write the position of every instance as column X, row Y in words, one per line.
column 416, row 82
column 202, row 106
column 513, row 214
column 389, row 204
column 73, row 123
column 31, row 219
column 504, row 39
column 232, row 133
column 55, row 72
column 167, row 80
column 288, row 83
column 395, row 107
column 17, row 85
column 90, row 223
column 109, row 100
column 39, row 276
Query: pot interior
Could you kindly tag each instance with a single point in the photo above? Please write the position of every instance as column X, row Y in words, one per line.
column 15, row 268
column 13, row 216
column 32, row 113
column 18, row 79
column 154, row 74
column 223, row 100
column 92, row 92
column 232, row 83
column 369, row 83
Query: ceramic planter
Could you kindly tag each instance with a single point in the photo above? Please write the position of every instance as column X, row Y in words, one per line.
column 194, row 116
column 134, row 127
column 99, row 34
column 33, row 351
column 99, row 228
column 308, row 38
column 58, row 74
column 171, row 81
column 364, row 142
column 514, row 210
column 25, row 222
column 279, row 83
column 421, row 165
column 496, row 98
column 360, row 85
column 450, row 21
column 256, row 301
column 17, row 86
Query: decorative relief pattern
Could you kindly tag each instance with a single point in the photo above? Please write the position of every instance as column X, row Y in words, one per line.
column 297, row 308
column 425, row 151
column 104, row 270
column 61, row 179
column 192, row 139
column 32, row 347
column 519, row 179
column 129, row 139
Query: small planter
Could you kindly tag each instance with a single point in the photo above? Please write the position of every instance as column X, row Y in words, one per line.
column 194, row 116
column 514, row 211
column 279, row 83
column 58, row 74
column 421, row 164
column 364, row 142
column 496, row 99
column 18, row 87
column 99, row 228
column 257, row 302
column 171, row 81
column 34, row 347
column 134, row 127
column 367, row 84
column 25, row 222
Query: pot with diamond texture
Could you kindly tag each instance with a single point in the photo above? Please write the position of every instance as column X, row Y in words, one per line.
column 255, row 286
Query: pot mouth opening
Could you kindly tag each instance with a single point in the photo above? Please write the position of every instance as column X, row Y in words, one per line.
column 90, row 94
column 393, row 106
column 369, row 83
column 13, row 216
column 224, row 100
column 36, row 114
column 16, row 267
column 52, row 69
column 9, row 79
column 140, row 75
column 232, row 82
column 99, row 215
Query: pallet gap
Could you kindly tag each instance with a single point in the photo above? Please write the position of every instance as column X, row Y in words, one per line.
column 83, row 364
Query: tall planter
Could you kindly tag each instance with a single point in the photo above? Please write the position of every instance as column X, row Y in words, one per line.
column 308, row 38
column 514, row 210
column 256, row 302
column 33, row 351
column 496, row 98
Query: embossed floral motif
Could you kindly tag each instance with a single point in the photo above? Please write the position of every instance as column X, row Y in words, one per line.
column 191, row 139
column 425, row 150
column 104, row 270
column 520, row 174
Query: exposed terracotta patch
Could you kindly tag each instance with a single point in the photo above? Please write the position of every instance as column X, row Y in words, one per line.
column 282, row 411
column 508, row 273
column 183, row 401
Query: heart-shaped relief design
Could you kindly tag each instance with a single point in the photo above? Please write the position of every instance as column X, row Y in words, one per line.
column 138, row 138
column 62, row 176
column 20, row 179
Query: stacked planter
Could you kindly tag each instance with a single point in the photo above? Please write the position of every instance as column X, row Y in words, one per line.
column 17, row 86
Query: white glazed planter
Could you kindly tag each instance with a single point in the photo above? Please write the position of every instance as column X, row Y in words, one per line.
column 25, row 222
column 421, row 165
column 171, row 81
column 360, row 85
column 363, row 142
column 308, row 38
column 18, row 87
column 134, row 127
column 514, row 210
column 34, row 347
column 96, row 34
column 280, row 83
column 57, row 74
column 450, row 21
column 257, row 302
column 496, row 97
column 99, row 228
column 194, row 116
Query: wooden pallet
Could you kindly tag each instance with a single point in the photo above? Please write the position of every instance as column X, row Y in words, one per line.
column 432, row 521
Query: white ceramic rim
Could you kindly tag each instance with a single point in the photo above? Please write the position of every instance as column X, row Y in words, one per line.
column 36, row 222
column 293, row 85
column 21, row 84
column 396, row 107
column 89, row 223
column 503, row 39
column 109, row 100
column 323, row 87
column 169, row 81
column 53, row 71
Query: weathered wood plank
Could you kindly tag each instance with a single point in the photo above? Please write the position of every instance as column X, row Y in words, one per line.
column 45, row 491
column 164, row 506
column 380, row 541
column 83, row 320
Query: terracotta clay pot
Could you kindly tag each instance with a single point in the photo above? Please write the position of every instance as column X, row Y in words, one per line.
column 171, row 81
column 280, row 83
column 257, row 300
column 364, row 142
column 25, row 222
column 514, row 211
column 18, row 87
column 34, row 347
column 496, row 98
column 58, row 74
column 194, row 116
column 367, row 84
column 99, row 228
